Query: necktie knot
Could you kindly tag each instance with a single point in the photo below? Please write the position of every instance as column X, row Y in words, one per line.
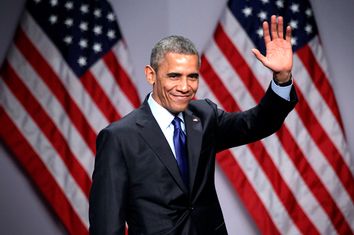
column 176, row 122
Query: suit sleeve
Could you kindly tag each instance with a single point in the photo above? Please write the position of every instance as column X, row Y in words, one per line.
column 108, row 196
column 238, row 128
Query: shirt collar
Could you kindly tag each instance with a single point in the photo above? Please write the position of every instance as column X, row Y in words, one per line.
column 162, row 115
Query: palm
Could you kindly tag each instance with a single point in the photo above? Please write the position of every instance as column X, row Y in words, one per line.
column 279, row 55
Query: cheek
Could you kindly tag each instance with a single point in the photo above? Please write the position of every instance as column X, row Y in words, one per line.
column 194, row 86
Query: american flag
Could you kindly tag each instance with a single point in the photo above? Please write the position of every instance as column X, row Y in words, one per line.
column 299, row 180
column 66, row 76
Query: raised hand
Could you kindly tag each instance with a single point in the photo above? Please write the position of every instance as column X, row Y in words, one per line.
column 279, row 54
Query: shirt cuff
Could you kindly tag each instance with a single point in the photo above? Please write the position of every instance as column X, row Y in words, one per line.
column 282, row 91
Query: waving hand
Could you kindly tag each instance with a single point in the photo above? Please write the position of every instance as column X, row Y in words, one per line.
column 279, row 54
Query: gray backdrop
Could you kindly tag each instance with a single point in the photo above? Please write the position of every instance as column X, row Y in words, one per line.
column 143, row 23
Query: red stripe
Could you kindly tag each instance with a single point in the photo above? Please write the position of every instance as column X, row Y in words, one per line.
column 320, row 80
column 37, row 171
column 326, row 146
column 57, row 88
column 99, row 97
column 48, row 128
column 313, row 182
column 238, row 63
column 246, row 74
column 216, row 85
column 258, row 150
column 247, row 193
column 122, row 78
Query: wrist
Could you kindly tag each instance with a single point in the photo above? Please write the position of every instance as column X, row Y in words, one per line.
column 283, row 82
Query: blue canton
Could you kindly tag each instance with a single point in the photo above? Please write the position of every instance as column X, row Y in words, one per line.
column 81, row 33
column 298, row 14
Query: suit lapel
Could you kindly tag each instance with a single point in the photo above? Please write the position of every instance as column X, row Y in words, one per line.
column 153, row 136
column 194, row 140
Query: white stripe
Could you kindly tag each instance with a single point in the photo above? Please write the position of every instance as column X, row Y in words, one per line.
column 108, row 84
column 53, row 108
column 77, row 92
column 264, row 190
column 320, row 165
column 319, row 54
column 46, row 152
column 320, row 109
column 272, row 144
column 342, row 144
column 121, row 52
column 244, row 44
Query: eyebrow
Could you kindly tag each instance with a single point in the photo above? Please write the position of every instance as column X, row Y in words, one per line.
column 194, row 75
column 175, row 74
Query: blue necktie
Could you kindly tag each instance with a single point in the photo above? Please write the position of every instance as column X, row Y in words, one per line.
column 179, row 140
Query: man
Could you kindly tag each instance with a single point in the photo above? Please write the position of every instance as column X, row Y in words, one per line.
column 154, row 168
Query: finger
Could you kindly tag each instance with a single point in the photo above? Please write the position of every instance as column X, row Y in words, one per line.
column 266, row 35
column 259, row 55
column 273, row 28
column 280, row 27
column 288, row 34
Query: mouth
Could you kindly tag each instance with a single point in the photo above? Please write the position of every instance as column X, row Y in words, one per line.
column 182, row 98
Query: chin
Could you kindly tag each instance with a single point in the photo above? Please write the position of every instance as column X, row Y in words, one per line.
column 178, row 109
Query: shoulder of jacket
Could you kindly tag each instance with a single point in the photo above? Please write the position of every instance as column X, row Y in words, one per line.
column 202, row 104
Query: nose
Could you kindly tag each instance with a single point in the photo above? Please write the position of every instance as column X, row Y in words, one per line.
column 183, row 84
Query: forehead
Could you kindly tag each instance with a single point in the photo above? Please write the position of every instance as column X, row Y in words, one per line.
column 171, row 59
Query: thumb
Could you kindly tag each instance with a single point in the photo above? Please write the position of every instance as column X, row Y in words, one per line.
column 259, row 56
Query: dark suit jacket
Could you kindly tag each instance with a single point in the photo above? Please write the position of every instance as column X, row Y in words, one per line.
column 136, row 177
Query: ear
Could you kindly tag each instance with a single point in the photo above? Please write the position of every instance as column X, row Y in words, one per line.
column 150, row 74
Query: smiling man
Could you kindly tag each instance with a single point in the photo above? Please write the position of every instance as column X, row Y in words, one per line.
column 154, row 169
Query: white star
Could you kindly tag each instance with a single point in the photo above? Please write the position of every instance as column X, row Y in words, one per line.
column 83, row 43
column 247, row 11
column 308, row 12
column 294, row 8
column 37, row 1
column 262, row 15
column 280, row 4
column 111, row 34
column 83, row 26
column 265, row 1
column 97, row 13
column 53, row 3
column 110, row 16
column 293, row 24
column 308, row 29
column 53, row 19
column 68, row 40
column 97, row 29
column 293, row 41
column 97, row 47
column 260, row 32
column 69, row 22
column 84, row 9
column 69, row 5
column 82, row 61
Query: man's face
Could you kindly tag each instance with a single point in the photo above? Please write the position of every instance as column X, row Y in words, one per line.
column 176, row 81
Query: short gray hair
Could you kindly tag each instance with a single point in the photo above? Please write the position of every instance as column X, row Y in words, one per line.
column 172, row 44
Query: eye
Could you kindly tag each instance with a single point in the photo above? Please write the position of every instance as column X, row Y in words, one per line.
column 194, row 76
